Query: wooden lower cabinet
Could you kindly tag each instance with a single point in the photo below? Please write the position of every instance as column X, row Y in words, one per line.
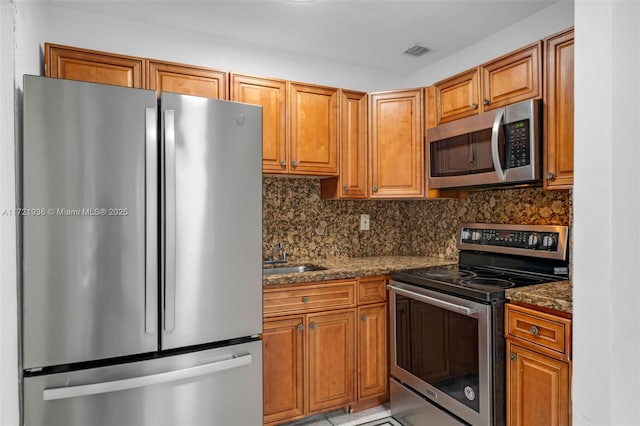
column 538, row 388
column 283, row 365
column 538, row 367
column 331, row 359
column 324, row 356
column 373, row 372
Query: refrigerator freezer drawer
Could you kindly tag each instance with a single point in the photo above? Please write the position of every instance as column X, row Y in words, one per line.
column 214, row 387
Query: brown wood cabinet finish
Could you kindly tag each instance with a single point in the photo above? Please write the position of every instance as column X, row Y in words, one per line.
column 558, row 111
column 457, row 97
column 309, row 298
column 372, row 289
column 283, row 364
column 331, row 359
column 537, row 388
column 353, row 180
column 397, row 144
column 313, row 122
column 271, row 95
column 373, row 373
column 187, row 80
column 96, row 67
column 538, row 367
column 513, row 77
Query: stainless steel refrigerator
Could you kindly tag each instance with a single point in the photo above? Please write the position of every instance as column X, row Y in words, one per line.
column 141, row 279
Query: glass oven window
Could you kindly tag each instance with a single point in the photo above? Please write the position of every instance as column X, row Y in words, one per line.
column 440, row 347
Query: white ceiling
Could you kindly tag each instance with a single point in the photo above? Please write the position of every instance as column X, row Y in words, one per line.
column 366, row 33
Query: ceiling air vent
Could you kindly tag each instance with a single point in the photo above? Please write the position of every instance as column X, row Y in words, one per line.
column 416, row 50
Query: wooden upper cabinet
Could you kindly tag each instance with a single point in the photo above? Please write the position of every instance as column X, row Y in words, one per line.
column 271, row 94
column 558, row 111
column 513, row 77
column 457, row 97
column 96, row 67
column 397, row 144
column 313, row 112
column 187, row 80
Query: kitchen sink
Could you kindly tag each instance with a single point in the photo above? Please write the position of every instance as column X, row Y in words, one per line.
column 291, row 269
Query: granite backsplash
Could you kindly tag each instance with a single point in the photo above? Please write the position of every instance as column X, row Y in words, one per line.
column 311, row 228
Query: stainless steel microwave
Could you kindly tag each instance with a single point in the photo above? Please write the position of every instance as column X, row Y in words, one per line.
column 498, row 147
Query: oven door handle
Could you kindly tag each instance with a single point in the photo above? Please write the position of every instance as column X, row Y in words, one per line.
column 432, row 301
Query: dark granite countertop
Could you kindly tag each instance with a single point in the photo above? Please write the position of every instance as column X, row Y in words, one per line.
column 352, row 267
column 557, row 295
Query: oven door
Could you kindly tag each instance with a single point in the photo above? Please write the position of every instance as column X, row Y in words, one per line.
column 441, row 347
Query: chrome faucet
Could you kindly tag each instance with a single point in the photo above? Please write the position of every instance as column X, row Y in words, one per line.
column 278, row 248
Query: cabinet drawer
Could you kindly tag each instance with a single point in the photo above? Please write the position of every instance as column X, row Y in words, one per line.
column 309, row 298
column 372, row 289
column 545, row 332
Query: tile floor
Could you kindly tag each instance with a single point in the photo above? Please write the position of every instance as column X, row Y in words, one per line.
column 376, row 416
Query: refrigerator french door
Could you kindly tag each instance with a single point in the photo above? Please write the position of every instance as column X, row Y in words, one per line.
column 141, row 257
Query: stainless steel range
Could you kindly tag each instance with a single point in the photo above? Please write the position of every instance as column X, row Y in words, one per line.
column 447, row 324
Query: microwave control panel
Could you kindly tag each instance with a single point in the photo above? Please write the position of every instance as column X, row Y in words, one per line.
column 517, row 143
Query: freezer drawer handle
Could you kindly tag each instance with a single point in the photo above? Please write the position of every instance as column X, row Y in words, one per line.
column 154, row 379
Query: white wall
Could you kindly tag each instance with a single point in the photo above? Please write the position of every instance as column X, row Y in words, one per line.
column 536, row 27
column 8, row 287
column 39, row 22
column 606, row 292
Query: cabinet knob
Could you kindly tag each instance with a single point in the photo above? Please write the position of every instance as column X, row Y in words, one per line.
column 300, row 327
column 363, row 317
column 375, row 188
column 550, row 175
column 512, row 356
column 345, row 188
column 485, row 102
column 283, row 163
column 534, row 330
column 474, row 106
column 305, row 299
column 312, row 326
column 294, row 163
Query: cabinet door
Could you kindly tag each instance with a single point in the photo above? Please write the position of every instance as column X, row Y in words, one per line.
column 96, row 67
column 271, row 95
column 457, row 97
column 187, row 80
column 314, row 130
column 513, row 77
column 397, row 145
column 558, row 118
column 331, row 359
column 354, row 180
column 537, row 388
column 283, row 374
column 372, row 351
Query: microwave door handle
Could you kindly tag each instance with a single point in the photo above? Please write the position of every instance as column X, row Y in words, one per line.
column 495, row 133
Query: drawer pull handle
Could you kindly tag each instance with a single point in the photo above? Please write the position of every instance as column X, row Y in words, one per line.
column 534, row 330
column 305, row 299
column 300, row 327
column 313, row 326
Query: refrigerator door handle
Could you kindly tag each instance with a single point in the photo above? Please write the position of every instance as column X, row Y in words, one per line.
column 234, row 361
column 170, row 221
column 151, row 200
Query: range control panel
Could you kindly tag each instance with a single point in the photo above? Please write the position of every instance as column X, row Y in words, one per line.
column 535, row 240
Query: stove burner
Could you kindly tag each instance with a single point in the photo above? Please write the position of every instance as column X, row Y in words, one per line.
column 521, row 280
column 486, row 283
column 447, row 273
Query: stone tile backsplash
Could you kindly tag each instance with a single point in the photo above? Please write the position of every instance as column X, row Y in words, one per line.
column 311, row 228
